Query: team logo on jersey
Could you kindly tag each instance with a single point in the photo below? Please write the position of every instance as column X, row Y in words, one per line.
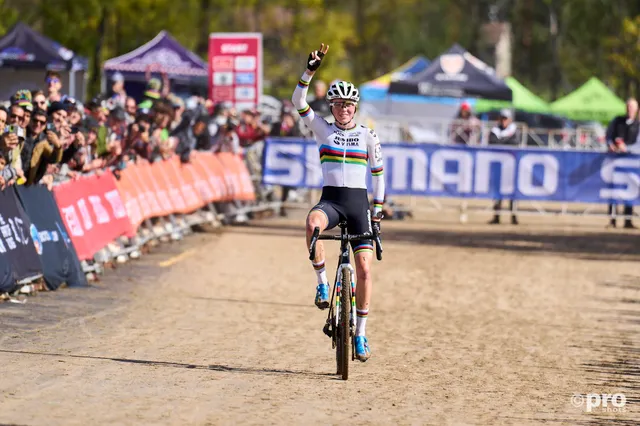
column 378, row 153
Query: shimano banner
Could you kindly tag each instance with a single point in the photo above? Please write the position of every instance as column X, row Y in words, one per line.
column 473, row 172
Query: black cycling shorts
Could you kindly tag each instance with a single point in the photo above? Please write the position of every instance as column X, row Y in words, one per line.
column 352, row 205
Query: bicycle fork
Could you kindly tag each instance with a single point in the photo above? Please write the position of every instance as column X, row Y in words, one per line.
column 352, row 320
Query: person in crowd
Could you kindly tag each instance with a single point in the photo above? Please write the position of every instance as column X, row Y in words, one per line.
column 250, row 129
column 131, row 109
column 35, row 134
column 623, row 131
column 152, row 94
column 74, row 112
column 193, row 137
column 16, row 115
column 97, row 120
column 466, row 129
column 10, row 143
column 22, row 98
column 319, row 104
column 227, row 139
column 140, row 143
column 286, row 127
column 39, row 100
column 53, row 81
column 118, row 96
column 505, row 132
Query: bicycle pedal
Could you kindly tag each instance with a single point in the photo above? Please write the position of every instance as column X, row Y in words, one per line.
column 327, row 329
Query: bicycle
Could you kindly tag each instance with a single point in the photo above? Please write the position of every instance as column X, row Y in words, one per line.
column 341, row 320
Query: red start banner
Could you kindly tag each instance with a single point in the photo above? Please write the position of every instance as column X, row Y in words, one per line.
column 93, row 212
column 235, row 69
column 98, row 209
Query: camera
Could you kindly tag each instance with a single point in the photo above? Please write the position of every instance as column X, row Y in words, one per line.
column 19, row 131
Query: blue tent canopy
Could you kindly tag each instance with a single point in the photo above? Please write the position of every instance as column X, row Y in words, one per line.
column 22, row 47
column 377, row 89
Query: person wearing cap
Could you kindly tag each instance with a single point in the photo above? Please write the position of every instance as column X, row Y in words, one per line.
column 505, row 132
column 466, row 128
column 22, row 98
column 152, row 94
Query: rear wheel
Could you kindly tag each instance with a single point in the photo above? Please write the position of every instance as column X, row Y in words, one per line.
column 344, row 334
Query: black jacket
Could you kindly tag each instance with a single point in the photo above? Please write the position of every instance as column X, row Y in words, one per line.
column 619, row 128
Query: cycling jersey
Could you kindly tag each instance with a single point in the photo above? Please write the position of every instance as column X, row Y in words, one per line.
column 344, row 154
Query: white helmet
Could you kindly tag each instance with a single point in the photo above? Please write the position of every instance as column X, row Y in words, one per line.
column 343, row 90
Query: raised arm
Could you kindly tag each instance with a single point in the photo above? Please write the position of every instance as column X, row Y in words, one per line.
column 299, row 98
column 374, row 151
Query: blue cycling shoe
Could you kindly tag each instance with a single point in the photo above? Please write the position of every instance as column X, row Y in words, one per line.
column 363, row 352
column 322, row 296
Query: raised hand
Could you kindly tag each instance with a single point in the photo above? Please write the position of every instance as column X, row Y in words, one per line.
column 315, row 57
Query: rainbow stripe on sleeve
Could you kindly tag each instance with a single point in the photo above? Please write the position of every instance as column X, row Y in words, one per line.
column 377, row 203
column 303, row 84
column 376, row 171
column 304, row 111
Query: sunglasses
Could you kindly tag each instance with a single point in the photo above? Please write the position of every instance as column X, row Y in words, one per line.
column 52, row 80
column 41, row 122
column 343, row 104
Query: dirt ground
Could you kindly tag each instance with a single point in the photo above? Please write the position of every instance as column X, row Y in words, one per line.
column 469, row 324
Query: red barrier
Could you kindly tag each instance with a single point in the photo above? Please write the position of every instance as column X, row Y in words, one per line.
column 147, row 190
column 93, row 212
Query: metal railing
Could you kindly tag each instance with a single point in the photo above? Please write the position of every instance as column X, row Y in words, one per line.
column 393, row 129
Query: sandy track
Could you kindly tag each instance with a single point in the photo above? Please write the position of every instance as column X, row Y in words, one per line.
column 469, row 325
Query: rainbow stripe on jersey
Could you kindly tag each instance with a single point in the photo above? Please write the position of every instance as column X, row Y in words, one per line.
column 351, row 156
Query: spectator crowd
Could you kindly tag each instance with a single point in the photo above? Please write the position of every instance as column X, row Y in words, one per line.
column 51, row 137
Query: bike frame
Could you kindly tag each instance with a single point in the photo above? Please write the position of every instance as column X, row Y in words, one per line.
column 345, row 264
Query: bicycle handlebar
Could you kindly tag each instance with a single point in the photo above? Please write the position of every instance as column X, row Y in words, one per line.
column 346, row 237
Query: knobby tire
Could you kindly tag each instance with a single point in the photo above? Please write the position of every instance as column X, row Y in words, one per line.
column 344, row 335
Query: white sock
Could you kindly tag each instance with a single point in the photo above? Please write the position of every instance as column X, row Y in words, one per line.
column 320, row 272
column 361, row 317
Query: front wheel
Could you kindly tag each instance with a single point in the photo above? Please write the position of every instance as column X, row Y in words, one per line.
column 344, row 334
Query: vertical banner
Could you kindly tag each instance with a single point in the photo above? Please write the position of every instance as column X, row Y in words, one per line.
column 59, row 259
column 235, row 69
column 16, row 243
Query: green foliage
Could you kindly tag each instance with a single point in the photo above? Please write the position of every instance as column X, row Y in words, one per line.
column 367, row 37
